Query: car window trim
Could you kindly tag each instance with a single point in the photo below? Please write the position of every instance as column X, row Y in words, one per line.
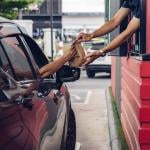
column 27, row 56
column 28, row 49
column 11, row 23
column 25, row 36
column 11, row 66
column 24, row 51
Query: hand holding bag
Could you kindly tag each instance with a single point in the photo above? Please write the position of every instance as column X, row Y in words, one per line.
column 78, row 59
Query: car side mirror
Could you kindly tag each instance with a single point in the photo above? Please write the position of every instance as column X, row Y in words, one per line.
column 68, row 74
column 46, row 86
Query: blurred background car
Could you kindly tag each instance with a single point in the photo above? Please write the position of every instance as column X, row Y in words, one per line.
column 101, row 64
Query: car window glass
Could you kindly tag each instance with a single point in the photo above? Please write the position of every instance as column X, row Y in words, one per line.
column 17, row 57
column 30, row 55
column 4, row 64
column 37, row 53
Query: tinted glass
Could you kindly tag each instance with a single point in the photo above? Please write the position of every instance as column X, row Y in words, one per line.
column 17, row 58
column 37, row 53
column 4, row 62
column 36, row 68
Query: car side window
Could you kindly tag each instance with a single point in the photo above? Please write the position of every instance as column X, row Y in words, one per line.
column 37, row 53
column 4, row 64
column 17, row 58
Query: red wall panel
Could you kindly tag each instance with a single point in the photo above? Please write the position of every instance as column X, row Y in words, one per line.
column 148, row 26
column 135, row 96
column 135, row 102
column 145, row 147
column 131, row 138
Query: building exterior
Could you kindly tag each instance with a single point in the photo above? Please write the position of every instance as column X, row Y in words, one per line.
column 131, row 81
column 74, row 23
column 82, row 16
column 63, row 22
column 42, row 15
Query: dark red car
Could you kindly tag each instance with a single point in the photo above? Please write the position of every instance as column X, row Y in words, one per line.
column 35, row 113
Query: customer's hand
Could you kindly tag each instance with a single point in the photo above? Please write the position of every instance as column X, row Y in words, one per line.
column 47, row 69
column 83, row 37
column 54, row 66
column 70, row 53
column 90, row 57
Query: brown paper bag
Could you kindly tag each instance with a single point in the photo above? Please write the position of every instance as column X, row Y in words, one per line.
column 78, row 59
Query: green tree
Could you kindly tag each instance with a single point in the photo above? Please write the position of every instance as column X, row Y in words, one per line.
column 10, row 8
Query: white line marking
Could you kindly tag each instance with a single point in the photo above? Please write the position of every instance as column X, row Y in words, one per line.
column 88, row 97
column 78, row 145
column 76, row 96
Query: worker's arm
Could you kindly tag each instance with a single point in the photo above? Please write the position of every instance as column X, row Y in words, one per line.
column 107, row 27
column 133, row 25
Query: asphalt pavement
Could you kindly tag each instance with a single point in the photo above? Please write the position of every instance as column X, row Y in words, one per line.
column 89, row 104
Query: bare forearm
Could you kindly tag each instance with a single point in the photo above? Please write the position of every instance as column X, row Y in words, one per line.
column 113, row 23
column 106, row 28
column 58, row 63
column 122, row 37
column 52, row 67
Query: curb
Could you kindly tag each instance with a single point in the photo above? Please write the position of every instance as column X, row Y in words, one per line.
column 114, row 139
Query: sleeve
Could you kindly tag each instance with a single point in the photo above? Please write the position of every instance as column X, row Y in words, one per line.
column 136, row 12
column 125, row 4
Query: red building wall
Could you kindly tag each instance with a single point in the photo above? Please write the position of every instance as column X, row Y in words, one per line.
column 148, row 25
column 135, row 103
column 135, row 96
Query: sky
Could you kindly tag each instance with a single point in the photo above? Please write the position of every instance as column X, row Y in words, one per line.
column 82, row 6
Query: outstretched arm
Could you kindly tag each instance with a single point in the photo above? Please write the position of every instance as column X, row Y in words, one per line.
column 113, row 23
column 52, row 67
column 107, row 27
column 133, row 25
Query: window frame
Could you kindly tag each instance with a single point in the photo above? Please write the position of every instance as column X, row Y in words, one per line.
column 41, row 62
column 128, row 48
column 139, row 48
column 9, row 62
column 25, row 53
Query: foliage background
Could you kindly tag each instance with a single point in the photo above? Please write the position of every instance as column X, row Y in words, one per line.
column 11, row 8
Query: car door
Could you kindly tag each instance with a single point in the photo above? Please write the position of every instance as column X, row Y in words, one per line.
column 41, row 120
column 60, row 93
column 14, row 133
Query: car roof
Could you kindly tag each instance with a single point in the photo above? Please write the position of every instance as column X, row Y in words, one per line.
column 6, row 22
column 2, row 19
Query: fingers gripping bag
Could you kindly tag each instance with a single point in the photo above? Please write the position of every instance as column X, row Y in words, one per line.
column 78, row 59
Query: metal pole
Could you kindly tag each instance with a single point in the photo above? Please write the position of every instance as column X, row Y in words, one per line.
column 51, row 23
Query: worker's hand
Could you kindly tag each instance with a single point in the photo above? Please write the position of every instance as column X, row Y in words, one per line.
column 83, row 37
column 90, row 57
